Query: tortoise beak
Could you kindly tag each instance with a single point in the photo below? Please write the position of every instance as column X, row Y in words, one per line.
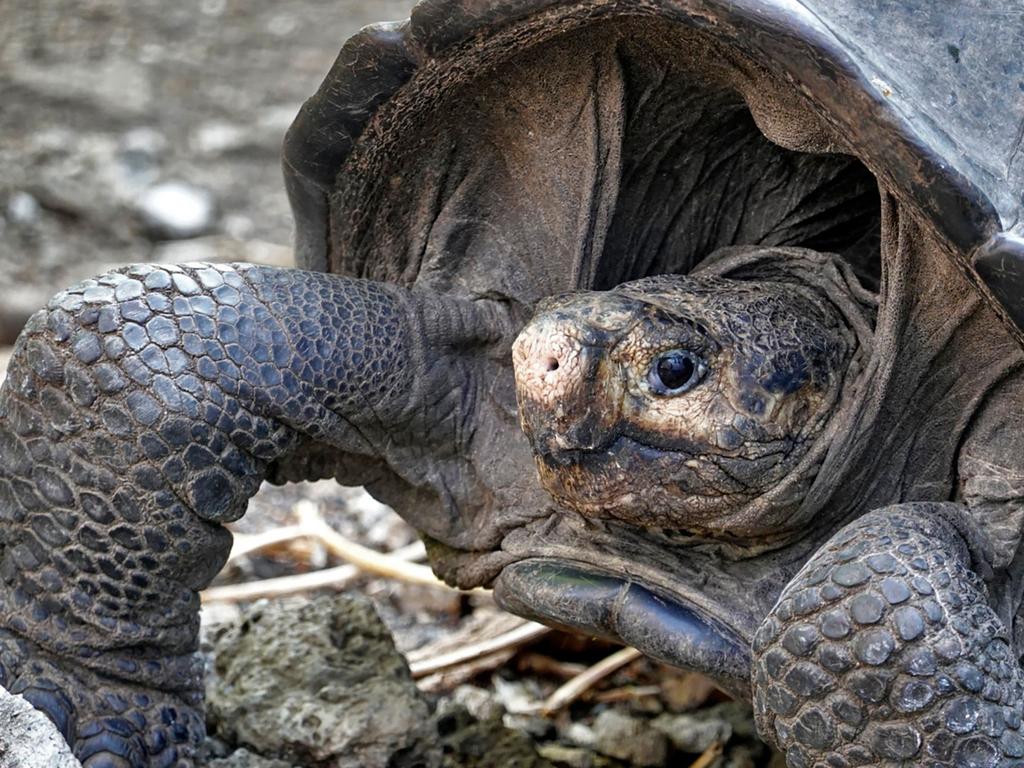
column 576, row 597
column 556, row 364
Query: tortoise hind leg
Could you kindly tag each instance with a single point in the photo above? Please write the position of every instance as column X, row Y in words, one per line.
column 884, row 650
column 111, row 722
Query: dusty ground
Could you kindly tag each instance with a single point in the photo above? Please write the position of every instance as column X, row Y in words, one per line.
column 104, row 101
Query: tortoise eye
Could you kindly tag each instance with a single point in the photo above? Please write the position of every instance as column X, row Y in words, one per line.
column 675, row 372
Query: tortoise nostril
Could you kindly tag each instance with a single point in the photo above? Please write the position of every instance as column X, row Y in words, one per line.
column 552, row 364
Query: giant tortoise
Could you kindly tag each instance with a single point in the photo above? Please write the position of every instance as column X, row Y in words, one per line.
column 752, row 269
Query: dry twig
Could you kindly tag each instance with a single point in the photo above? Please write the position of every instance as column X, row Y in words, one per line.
column 395, row 565
column 248, row 543
column 541, row 664
column 363, row 557
column 452, row 677
column 572, row 690
column 708, row 756
column 512, row 639
column 627, row 693
column 335, row 578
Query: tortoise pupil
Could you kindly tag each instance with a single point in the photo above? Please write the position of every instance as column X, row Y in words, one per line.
column 675, row 370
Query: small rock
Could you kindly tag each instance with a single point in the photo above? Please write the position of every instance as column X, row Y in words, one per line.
column 581, row 735
column 218, row 137
column 515, row 695
column 176, row 211
column 629, row 738
column 28, row 739
column 692, row 733
column 533, row 725
column 320, row 684
column 738, row 715
column 243, row 758
column 470, row 743
column 144, row 141
column 479, row 702
column 686, row 691
column 23, row 209
column 570, row 757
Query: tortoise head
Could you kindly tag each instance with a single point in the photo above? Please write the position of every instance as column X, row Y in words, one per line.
column 678, row 402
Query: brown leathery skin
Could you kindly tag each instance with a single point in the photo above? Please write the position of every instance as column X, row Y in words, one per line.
column 608, row 444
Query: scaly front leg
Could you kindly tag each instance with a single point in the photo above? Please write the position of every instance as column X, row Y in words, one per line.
column 884, row 650
column 141, row 411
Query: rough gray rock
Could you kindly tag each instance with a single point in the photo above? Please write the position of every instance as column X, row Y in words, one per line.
column 28, row 739
column 693, row 733
column 628, row 738
column 471, row 743
column 243, row 758
column 319, row 684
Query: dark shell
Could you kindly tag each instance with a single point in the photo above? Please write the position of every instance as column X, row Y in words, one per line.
column 929, row 96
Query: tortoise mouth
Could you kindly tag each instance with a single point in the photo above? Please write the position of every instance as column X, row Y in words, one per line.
column 666, row 627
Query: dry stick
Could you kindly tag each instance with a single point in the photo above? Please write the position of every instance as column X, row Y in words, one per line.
column 513, row 638
column 572, row 690
column 627, row 693
column 708, row 756
column 335, row 578
column 247, row 543
column 395, row 565
column 450, row 677
column 360, row 556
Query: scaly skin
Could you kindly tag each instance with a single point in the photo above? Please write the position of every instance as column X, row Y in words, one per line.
column 141, row 411
column 884, row 650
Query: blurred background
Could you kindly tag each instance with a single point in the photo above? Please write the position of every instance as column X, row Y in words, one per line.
column 142, row 130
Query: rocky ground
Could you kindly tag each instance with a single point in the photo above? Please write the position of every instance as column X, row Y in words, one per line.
column 139, row 130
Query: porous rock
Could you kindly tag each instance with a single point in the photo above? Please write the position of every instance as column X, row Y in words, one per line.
column 28, row 739
column 472, row 743
column 318, row 684
column 243, row 758
column 629, row 738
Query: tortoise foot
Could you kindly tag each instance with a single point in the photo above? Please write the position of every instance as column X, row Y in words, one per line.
column 109, row 723
column 884, row 650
